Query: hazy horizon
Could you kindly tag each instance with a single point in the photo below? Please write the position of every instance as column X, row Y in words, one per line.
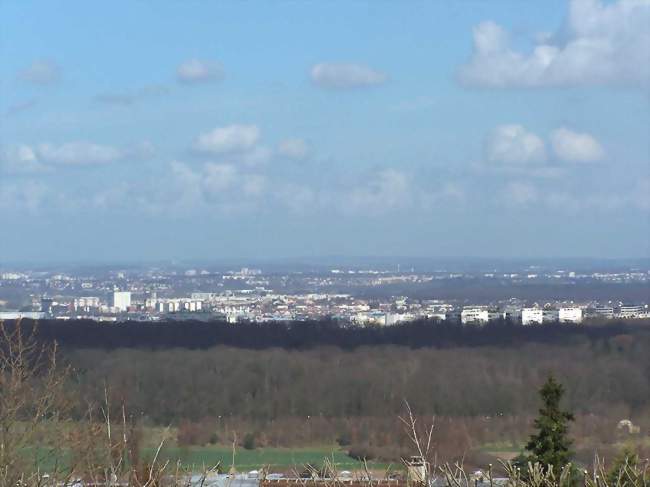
column 402, row 264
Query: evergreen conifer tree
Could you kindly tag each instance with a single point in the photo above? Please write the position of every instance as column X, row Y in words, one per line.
column 550, row 444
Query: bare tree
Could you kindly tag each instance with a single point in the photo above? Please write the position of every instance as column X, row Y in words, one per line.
column 421, row 436
column 32, row 400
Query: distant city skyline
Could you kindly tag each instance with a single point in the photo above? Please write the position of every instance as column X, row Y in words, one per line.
column 371, row 295
column 246, row 131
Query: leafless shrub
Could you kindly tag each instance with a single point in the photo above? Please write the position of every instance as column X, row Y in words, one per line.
column 32, row 399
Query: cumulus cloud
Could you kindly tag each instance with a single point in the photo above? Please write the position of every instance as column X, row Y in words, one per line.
column 26, row 195
column 231, row 138
column 257, row 156
column 436, row 195
column 218, row 177
column 520, row 193
column 183, row 187
column 393, row 190
column 24, row 158
column 199, row 71
column 297, row 198
column 253, row 184
column 389, row 189
column 573, row 146
column 574, row 199
column 513, row 144
column 20, row 159
column 224, row 188
column 341, row 76
column 604, row 44
column 41, row 72
column 77, row 153
column 293, row 148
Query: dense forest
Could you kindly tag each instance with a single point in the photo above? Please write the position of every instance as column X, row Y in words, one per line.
column 319, row 383
column 313, row 334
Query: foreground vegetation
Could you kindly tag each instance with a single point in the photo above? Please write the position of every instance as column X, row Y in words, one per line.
column 93, row 413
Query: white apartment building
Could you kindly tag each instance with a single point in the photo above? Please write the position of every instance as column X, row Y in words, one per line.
column 174, row 305
column 478, row 314
column 632, row 312
column 606, row 312
column 437, row 315
column 537, row 316
column 121, row 300
column 532, row 316
column 570, row 315
column 86, row 302
column 396, row 318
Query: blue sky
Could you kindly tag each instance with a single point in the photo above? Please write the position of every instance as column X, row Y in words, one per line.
column 201, row 130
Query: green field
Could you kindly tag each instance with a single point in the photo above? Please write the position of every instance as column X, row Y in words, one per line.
column 198, row 458
column 283, row 459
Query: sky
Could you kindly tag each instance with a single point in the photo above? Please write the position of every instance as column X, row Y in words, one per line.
column 143, row 131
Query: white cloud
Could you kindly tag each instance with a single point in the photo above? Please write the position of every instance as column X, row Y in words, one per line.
column 520, row 193
column 574, row 200
column 113, row 196
column 389, row 189
column 26, row 195
column 199, row 71
column 231, row 138
column 345, row 76
column 44, row 157
column 77, row 153
column 184, row 189
column 257, row 156
column 253, row 184
column 434, row 196
column 298, row 198
column 222, row 188
column 575, row 146
column 20, row 159
column 218, row 177
column 41, row 72
column 604, row 44
column 293, row 148
column 513, row 144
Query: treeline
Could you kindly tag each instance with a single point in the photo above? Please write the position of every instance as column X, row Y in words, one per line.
column 312, row 334
column 611, row 375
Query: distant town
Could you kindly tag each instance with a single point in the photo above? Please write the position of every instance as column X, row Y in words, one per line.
column 355, row 295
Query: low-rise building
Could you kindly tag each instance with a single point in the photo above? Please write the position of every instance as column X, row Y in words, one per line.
column 86, row 303
column 570, row 315
column 537, row 316
column 479, row 314
column 532, row 316
column 121, row 300
column 606, row 312
column 631, row 312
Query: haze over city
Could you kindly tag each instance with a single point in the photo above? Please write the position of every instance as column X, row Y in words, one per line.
column 135, row 132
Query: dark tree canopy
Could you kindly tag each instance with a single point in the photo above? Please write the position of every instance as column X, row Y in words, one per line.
column 312, row 334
